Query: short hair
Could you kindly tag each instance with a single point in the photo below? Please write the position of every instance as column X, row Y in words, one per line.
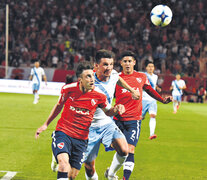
column 103, row 53
column 83, row 66
column 148, row 62
column 128, row 53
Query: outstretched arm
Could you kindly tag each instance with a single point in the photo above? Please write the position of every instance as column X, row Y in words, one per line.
column 122, row 83
column 155, row 95
column 55, row 111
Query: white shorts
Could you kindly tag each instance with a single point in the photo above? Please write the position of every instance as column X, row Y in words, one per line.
column 149, row 106
column 97, row 135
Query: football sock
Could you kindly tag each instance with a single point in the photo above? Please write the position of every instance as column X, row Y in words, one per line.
column 117, row 162
column 94, row 177
column 128, row 166
column 152, row 125
column 62, row 176
column 36, row 96
column 175, row 106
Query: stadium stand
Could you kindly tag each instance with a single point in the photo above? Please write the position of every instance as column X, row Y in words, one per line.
column 62, row 33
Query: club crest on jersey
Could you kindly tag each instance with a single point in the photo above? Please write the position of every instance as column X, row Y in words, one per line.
column 139, row 80
column 93, row 102
column 60, row 145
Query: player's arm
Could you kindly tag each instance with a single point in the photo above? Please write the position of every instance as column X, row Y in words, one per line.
column 119, row 108
column 123, row 83
column 45, row 79
column 184, row 87
column 30, row 77
column 158, row 88
column 53, row 114
column 155, row 95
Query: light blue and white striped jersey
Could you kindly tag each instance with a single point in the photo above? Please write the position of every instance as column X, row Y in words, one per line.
column 107, row 88
column 153, row 82
column 176, row 84
column 37, row 74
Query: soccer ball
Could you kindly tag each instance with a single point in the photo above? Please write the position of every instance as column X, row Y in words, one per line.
column 161, row 15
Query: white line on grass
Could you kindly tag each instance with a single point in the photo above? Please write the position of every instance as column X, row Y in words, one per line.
column 9, row 175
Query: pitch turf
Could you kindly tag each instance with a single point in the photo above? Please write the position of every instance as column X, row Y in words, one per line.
column 179, row 152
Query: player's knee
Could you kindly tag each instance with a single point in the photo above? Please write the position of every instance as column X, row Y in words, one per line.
column 63, row 165
column 152, row 115
column 124, row 150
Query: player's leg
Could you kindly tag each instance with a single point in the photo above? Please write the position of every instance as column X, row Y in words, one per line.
column 90, row 171
column 132, row 134
column 77, row 156
column 61, row 147
column 35, row 92
column 64, row 166
column 179, row 99
column 91, row 153
column 175, row 104
column 152, row 121
column 115, row 138
column 145, row 108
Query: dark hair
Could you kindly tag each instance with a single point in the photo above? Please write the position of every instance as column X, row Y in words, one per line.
column 83, row 66
column 68, row 79
column 148, row 62
column 103, row 53
column 128, row 53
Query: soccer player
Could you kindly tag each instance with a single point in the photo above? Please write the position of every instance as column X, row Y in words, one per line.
column 149, row 104
column 177, row 87
column 130, row 121
column 36, row 75
column 69, row 140
column 103, row 129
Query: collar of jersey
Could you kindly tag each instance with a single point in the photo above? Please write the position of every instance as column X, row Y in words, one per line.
column 99, row 81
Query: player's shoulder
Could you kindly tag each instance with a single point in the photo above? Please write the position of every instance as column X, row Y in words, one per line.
column 114, row 73
column 155, row 75
column 97, row 92
column 140, row 74
column 69, row 87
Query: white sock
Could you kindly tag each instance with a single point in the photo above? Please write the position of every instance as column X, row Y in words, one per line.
column 35, row 97
column 94, row 177
column 175, row 106
column 152, row 125
column 116, row 163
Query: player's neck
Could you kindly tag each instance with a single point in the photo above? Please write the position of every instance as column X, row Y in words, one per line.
column 128, row 72
column 150, row 73
column 83, row 89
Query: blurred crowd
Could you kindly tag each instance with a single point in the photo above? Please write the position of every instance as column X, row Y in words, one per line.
column 61, row 33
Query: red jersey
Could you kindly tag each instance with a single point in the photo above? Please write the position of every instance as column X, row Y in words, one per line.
column 133, row 107
column 78, row 110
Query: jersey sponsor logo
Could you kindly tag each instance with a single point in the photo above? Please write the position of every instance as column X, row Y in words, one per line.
column 139, row 80
column 125, row 90
column 60, row 145
column 80, row 110
column 93, row 102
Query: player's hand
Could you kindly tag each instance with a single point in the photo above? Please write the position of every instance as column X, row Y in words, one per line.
column 120, row 108
column 39, row 130
column 159, row 89
column 167, row 100
column 135, row 94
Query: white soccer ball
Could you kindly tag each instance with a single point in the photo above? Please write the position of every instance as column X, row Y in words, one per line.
column 161, row 15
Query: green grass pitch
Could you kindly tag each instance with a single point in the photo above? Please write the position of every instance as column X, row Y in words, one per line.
column 179, row 152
